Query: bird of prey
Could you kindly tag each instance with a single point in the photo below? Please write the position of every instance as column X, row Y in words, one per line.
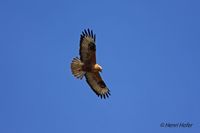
column 87, row 66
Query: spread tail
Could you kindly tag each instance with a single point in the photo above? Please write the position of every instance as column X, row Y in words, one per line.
column 76, row 68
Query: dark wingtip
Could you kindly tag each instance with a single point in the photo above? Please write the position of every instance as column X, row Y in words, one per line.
column 83, row 34
column 106, row 95
column 88, row 32
column 92, row 34
column 109, row 92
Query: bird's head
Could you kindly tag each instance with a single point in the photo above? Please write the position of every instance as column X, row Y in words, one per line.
column 98, row 67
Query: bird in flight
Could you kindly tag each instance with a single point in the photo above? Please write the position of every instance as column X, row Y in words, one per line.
column 87, row 66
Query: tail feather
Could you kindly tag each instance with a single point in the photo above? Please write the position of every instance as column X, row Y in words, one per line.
column 76, row 67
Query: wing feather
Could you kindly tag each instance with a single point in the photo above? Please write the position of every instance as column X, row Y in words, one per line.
column 97, row 84
column 87, row 50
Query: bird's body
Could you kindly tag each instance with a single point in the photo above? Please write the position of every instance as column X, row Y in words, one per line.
column 92, row 68
column 87, row 66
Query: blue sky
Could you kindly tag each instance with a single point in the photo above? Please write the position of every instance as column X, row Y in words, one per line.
column 149, row 51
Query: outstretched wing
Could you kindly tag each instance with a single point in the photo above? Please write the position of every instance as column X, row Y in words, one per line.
column 87, row 47
column 97, row 84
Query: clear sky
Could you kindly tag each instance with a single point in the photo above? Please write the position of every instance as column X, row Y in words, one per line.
column 149, row 51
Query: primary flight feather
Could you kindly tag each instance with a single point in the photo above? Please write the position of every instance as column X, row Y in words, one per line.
column 87, row 66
